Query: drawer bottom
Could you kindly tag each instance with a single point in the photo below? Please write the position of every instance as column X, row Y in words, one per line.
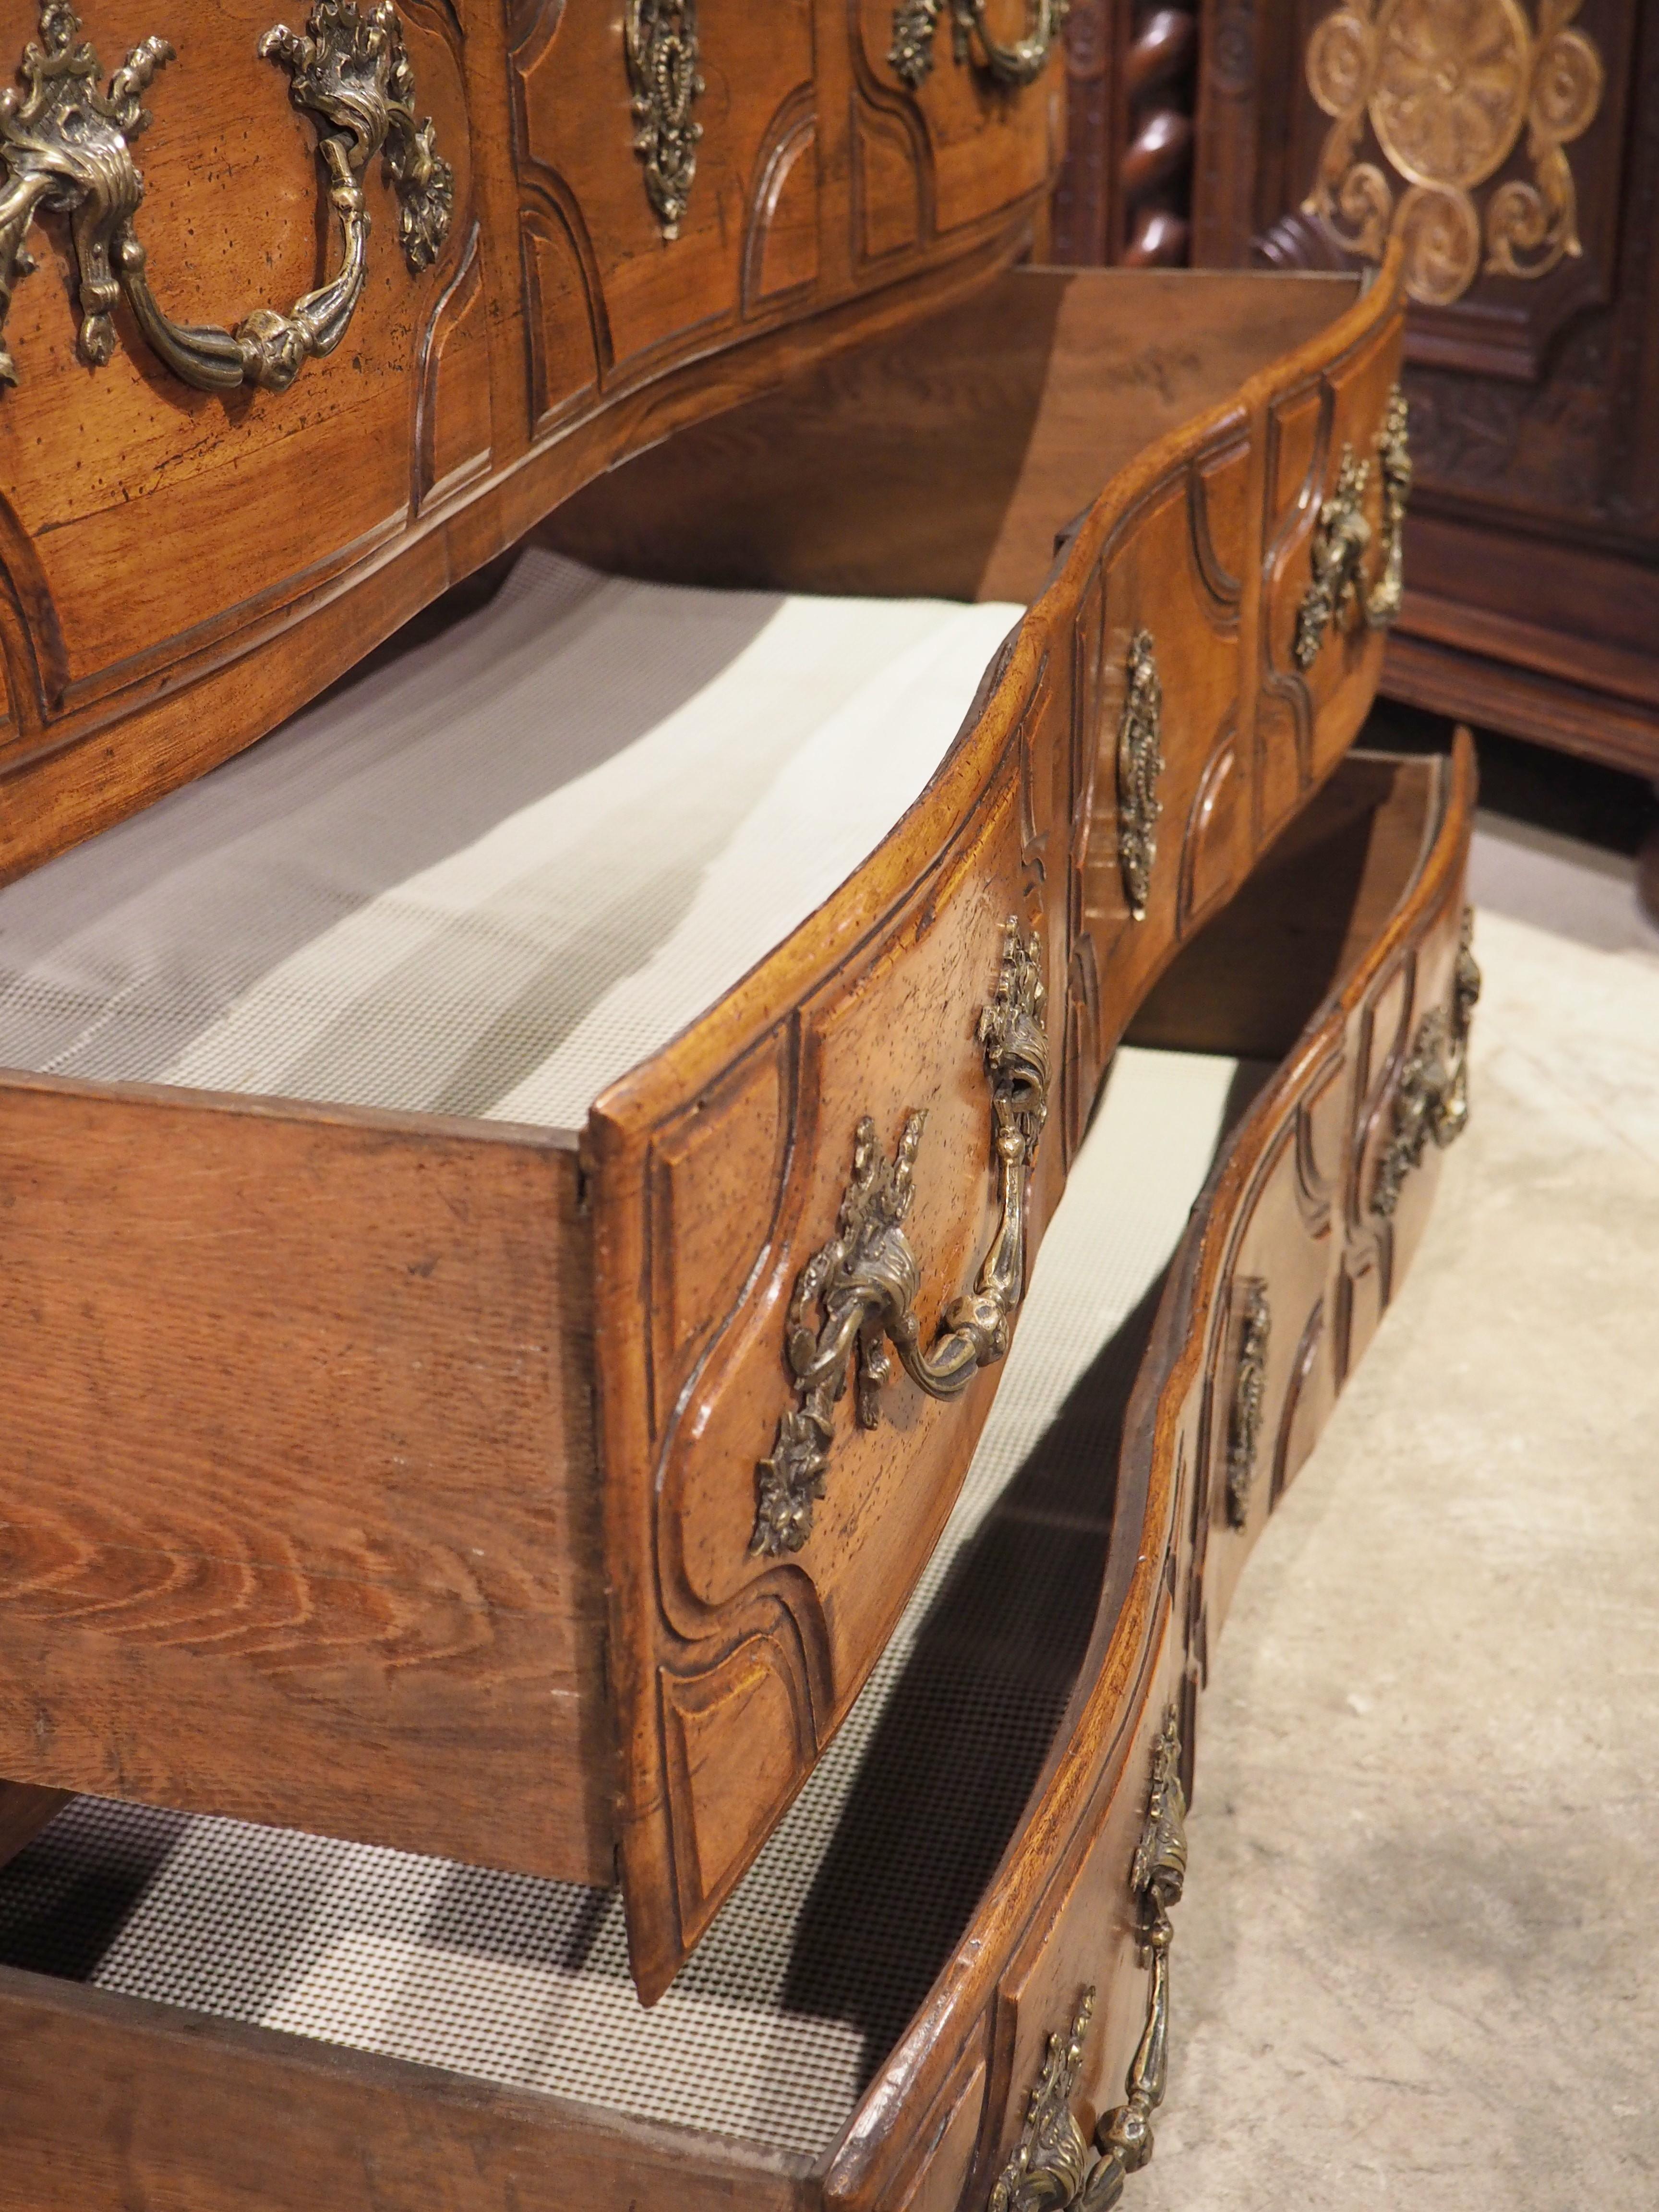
column 774, row 2029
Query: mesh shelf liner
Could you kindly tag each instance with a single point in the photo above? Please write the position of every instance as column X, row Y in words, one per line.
column 810, row 1973
column 498, row 869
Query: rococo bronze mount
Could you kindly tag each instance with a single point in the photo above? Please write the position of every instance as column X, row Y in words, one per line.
column 65, row 146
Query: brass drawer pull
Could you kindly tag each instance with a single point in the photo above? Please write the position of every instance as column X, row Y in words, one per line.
column 64, row 146
column 1433, row 1097
column 1342, row 537
column 864, row 1282
column 1022, row 61
column 1050, row 2169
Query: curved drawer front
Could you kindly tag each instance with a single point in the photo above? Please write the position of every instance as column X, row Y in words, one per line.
column 1034, row 2072
column 320, row 366
column 1333, row 1186
column 823, row 1199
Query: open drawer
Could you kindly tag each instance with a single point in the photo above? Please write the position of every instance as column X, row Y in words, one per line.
column 432, row 1429
column 947, row 1979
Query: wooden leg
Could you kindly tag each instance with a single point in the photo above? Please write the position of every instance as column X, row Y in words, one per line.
column 24, row 1811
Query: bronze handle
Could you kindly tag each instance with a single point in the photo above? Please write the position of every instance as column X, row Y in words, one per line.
column 1021, row 62
column 1342, row 537
column 1433, row 1097
column 858, row 1294
column 66, row 146
column 1050, row 2169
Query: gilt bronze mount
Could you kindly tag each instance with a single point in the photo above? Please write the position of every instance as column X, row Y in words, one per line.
column 661, row 41
column 1339, row 593
column 1010, row 63
column 1050, row 2169
column 66, row 146
column 1140, row 765
column 1432, row 1099
column 1250, row 1389
column 854, row 1299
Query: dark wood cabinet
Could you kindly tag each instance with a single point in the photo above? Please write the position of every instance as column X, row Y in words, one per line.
column 1513, row 146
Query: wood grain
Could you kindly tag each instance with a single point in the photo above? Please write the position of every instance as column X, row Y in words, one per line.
column 297, row 1515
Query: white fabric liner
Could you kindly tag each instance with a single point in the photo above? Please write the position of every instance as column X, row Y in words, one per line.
column 775, row 2026
column 501, row 867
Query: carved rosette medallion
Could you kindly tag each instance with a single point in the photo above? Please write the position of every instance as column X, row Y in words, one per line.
column 1432, row 1099
column 66, row 146
column 1140, row 765
column 855, row 1298
column 1447, row 93
column 661, row 39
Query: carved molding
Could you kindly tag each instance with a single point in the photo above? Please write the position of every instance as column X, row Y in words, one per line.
column 1447, row 93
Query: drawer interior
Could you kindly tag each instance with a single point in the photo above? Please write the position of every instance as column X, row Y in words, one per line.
column 1312, row 908
column 949, row 457
column 774, row 2028
column 505, row 863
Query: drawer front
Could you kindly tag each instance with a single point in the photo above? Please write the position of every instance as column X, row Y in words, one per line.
column 331, row 383
column 948, row 127
column 1336, row 1170
column 814, row 1213
column 1035, row 2067
column 1338, row 476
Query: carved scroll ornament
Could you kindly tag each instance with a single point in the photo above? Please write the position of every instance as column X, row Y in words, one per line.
column 1432, row 1100
column 661, row 41
column 64, row 146
column 1249, row 1390
column 1339, row 591
column 1050, row 2169
column 1018, row 62
column 1140, row 764
column 1447, row 92
column 857, row 1296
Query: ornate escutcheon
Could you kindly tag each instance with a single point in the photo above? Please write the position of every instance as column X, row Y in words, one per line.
column 1124, row 2136
column 64, row 146
column 1140, row 764
column 1050, row 2168
column 858, row 1294
column 1250, row 1383
column 1051, row 2159
column 1021, row 61
column 1433, row 1097
column 661, row 39
column 1342, row 537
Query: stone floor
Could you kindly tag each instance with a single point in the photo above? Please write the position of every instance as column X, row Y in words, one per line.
column 1417, row 1962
